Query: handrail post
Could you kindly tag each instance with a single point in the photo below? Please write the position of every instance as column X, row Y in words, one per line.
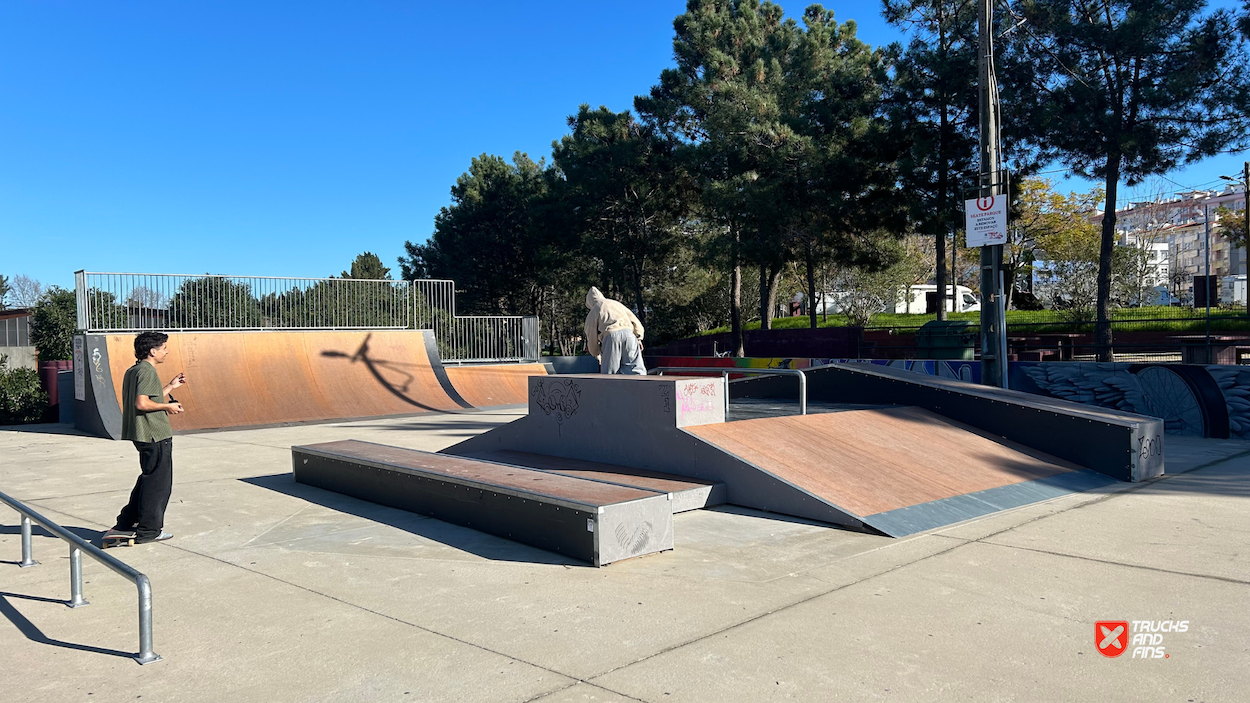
column 146, row 655
column 75, row 578
column 802, row 392
column 28, row 559
column 726, row 375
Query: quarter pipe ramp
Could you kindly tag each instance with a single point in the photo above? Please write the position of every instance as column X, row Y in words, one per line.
column 237, row 379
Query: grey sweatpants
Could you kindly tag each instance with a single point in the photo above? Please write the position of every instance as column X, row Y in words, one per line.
column 621, row 353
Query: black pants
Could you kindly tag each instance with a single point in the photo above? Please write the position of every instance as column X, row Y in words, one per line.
column 145, row 513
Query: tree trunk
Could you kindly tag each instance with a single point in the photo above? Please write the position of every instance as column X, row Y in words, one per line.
column 642, row 311
column 1009, row 282
column 769, row 292
column 940, row 264
column 1102, row 326
column 811, row 285
column 766, row 311
column 735, row 296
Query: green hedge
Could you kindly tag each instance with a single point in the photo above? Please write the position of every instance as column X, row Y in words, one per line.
column 1162, row 318
column 22, row 400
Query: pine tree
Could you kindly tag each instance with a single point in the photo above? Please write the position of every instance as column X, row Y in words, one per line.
column 934, row 109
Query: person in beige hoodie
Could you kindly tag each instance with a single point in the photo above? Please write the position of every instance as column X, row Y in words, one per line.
column 613, row 335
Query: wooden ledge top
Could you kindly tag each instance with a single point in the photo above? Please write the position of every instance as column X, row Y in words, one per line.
column 484, row 474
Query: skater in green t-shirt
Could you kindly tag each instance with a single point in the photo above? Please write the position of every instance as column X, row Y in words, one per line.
column 145, row 421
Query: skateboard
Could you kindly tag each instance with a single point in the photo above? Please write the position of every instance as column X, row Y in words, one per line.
column 114, row 538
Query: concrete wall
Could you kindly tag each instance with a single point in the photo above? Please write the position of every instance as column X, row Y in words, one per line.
column 21, row 357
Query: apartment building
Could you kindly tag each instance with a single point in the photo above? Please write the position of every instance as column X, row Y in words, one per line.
column 1175, row 229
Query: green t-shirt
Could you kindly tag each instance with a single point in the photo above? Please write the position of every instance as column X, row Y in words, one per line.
column 139, row 426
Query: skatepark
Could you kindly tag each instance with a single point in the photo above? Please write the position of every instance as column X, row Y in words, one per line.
column 359, row 518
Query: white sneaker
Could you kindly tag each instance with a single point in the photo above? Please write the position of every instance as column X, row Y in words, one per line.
column 159, row 538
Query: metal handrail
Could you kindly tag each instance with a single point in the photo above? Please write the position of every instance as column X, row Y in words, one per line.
column 77, row 546
column 725, row 371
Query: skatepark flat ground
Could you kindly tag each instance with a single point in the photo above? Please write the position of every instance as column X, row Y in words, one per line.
column 275, row 591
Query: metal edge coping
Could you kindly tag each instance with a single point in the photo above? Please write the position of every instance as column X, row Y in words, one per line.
column 1055, row 405
column 440, row 372
column 506, row 490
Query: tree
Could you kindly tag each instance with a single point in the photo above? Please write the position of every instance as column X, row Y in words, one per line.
column 1037, row 212
column 22, row 398
column 4, row 292
column 934, row 109
column 1135, row 272
column 367, row 266
column 490, row 240
column 1123, row 89
column 721, row 102
column 26, row 291
column 625, row 195
column 860, row 292
column 1232, row 225
column 1067, row 243
column 214, row 302
column 837, row 184
column 52, row 323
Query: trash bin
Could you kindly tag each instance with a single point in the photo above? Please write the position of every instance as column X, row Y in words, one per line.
column 947, row 339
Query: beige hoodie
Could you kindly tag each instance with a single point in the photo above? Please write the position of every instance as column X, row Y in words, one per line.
column 607, row 315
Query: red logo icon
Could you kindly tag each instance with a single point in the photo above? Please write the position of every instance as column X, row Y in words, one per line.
column 985, row 203
column 1111, row 637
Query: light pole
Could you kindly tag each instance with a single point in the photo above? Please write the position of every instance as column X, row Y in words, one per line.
column 1245, row 208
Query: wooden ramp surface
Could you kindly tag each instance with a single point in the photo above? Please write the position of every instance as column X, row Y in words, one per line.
column 495, row 384
column 593, row 521
column 687, row 493
column 881, row 464
column 539, row 483
column 239, row 379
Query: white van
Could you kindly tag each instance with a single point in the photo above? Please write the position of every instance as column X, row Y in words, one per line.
column 922, row 300
column 918, row 300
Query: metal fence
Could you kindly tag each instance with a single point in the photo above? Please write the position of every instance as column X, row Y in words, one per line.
column 1141, row 335
column 15, row 332
column 131, row 302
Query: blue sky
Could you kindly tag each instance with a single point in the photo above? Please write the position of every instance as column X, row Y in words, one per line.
column 278, row 139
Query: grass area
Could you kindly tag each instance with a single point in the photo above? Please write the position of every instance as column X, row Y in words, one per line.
column 1168, row 319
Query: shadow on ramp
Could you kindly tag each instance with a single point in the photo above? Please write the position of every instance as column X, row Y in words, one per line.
column 462, row 538
column 376, row 366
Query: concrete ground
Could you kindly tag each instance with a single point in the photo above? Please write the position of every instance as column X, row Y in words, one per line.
column 272, row 591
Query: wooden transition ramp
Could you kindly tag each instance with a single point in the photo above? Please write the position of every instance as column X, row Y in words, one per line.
column 240, row 379
column 898, row 470
column 593, row 521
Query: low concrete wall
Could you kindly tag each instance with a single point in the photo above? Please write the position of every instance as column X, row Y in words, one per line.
column 21, row 357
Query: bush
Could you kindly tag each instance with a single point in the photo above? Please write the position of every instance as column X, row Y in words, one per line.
column 22, row 399
column 52, row 324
